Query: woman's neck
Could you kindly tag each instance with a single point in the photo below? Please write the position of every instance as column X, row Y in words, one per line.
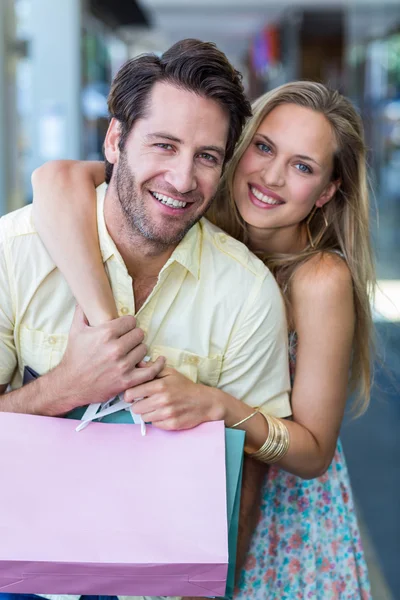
column 285, row 240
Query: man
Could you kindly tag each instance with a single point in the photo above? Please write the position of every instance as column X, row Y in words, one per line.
column 200, row 298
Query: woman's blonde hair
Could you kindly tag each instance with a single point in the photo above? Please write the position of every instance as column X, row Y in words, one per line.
column 347, row 213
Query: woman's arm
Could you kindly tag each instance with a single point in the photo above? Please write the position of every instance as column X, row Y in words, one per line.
column 64, row 213
column 323, row 314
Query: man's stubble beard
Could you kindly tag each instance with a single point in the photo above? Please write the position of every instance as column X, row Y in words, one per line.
column 138, row 219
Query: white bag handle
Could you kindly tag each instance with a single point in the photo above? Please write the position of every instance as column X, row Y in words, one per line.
column 106, row 408
column 102, row 409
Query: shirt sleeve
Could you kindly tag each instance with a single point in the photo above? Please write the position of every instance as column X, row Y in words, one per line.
column 8, row 353
column 255, row 367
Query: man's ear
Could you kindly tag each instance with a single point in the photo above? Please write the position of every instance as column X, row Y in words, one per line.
column 111, row 142
column 328, row 193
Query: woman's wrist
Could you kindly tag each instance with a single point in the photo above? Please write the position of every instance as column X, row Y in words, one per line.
column 234, row 412
column 224, row 407
column 217, row 403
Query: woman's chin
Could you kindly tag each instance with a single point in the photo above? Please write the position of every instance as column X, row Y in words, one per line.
column 252, row 217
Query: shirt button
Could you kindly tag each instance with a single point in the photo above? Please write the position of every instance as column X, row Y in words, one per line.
column 52, row 340
column 124, row 310
column 223, row 239
column 193, row 360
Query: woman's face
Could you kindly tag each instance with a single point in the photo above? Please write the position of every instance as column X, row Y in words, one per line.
column 286, row 169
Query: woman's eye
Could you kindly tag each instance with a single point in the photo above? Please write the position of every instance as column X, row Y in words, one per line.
column 263, row 147
column 303, row 168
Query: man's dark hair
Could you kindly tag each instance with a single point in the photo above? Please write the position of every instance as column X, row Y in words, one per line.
column 191, row 65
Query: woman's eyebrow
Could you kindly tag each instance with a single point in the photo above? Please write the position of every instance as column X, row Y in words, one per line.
column 303, row 157
column 266, row 139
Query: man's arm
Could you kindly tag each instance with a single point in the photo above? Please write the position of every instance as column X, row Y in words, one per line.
column 44, row 396
column 99, row 363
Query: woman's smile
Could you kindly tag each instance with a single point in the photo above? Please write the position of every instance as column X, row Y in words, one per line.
column 263, row 197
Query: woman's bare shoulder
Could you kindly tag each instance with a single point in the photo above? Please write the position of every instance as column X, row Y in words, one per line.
column 324, row 277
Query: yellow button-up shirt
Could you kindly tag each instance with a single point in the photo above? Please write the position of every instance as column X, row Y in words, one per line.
column 216, row 312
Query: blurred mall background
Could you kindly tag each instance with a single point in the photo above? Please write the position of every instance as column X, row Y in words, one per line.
column 57, row 58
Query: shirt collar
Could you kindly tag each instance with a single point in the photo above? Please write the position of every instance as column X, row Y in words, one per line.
column 107, row 246
column 187, row 253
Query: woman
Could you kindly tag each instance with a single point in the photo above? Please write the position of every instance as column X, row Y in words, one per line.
column 296, row 193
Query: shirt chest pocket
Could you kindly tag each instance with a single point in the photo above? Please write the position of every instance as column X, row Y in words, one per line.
column 199, row 369
column 41, row 351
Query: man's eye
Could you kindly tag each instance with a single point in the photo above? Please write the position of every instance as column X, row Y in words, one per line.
column 164, row 146
column 208, row 157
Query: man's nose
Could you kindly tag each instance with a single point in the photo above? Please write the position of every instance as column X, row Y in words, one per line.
column 182, row 176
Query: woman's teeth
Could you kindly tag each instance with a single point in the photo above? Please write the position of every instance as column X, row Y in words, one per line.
column 168, row 201
column 262, row 197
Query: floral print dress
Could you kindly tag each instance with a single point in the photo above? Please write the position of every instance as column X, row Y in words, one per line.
column 307, row 542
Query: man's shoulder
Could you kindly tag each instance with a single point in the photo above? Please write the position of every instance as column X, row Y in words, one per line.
column 21, row 243
column 228, row 250
column 18, row 223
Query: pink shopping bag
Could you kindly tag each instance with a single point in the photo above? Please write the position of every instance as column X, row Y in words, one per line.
column 107, row 511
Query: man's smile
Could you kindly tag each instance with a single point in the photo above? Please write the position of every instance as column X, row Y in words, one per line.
column 168, row 200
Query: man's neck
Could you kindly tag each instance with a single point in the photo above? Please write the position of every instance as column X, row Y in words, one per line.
column 143, row 258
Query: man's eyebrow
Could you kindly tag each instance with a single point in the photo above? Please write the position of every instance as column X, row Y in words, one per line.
column 167, row 136
column 217, row 149
column 302, row 156
column 164, row 135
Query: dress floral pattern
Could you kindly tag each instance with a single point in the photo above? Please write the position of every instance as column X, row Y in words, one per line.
column 307, row 542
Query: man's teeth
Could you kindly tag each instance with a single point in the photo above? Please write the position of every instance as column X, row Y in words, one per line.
column 263, row 197
column 168, row 201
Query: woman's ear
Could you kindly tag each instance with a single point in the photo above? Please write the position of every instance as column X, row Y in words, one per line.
column 111, row 142
column 328, row 193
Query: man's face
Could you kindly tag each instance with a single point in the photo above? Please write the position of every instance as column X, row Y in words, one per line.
column 169, row 170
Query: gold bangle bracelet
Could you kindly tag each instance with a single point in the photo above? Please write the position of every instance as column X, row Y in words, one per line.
column 277, row 443
column 268, row 448
column 280, row 445
column 268, row 444
column 256, row 410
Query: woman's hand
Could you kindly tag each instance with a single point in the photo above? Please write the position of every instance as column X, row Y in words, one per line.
column 173, row 402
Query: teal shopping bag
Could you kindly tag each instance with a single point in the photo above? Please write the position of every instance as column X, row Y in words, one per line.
column 234, row 468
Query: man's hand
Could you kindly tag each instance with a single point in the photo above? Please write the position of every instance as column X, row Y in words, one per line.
column 101, row 362
column 172, row 401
